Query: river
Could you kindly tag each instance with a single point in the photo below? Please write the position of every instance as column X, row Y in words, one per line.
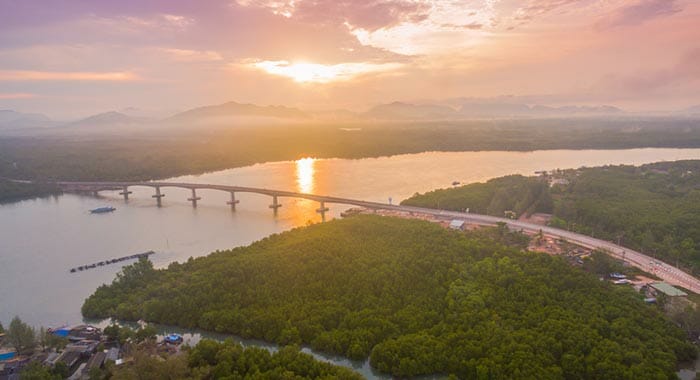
column 41, row 239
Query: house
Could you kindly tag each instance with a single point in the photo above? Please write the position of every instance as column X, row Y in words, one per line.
column 558, row 182
column 112, row 354
column 95, row 361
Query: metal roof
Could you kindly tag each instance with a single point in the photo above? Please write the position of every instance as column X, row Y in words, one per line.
column 456, row 223
column 668, row 290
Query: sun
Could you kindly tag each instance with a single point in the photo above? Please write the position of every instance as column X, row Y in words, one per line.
column 311, row 72
column 306, row 72
column 301, row 72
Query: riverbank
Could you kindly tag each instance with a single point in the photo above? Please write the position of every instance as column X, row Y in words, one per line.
column 15, row 192
column 651, row 208
column 150, row 155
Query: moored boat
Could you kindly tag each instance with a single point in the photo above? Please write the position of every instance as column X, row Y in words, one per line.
column 102, row 210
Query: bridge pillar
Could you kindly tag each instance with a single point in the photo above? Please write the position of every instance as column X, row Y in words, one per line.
column 275, row 204
column 233, row 201
column 125, row 192
column 158, row 196
column 194, row 198
column 322, row 210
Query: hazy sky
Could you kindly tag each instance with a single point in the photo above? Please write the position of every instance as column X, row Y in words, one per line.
column 73, row 58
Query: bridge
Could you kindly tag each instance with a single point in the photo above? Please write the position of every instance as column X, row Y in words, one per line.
column 665, row 271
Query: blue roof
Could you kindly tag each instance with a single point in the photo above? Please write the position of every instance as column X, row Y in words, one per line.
column 7, row 355
column 62, row 332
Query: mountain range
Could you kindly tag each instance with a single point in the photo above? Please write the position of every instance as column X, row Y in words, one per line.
column 470, row 110
column 12, row 119
column 233, row 113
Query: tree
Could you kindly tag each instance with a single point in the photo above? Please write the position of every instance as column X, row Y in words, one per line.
column 112, row 332
column 688, row 247
column 36, row 371
column 49, row 340
column 43, row 338
column 145, row 333
column 2, row 329
column 21, row 336
column 61, row 370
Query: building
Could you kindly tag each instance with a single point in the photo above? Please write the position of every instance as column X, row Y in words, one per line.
column 558, row 182
column 95, row 361
column 457, row 224
column 112, row 354
column 669, row 290
column 7, row 355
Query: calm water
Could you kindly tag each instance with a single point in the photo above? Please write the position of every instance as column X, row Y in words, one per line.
column 40, row 240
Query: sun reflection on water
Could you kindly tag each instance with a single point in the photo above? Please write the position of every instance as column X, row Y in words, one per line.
column 305, row 175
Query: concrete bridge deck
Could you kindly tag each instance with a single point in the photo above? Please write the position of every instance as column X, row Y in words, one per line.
column 665, row 271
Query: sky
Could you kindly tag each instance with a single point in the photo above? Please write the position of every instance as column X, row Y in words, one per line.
column 73, row 58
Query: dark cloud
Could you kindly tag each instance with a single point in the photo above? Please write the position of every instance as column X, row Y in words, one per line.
column 638, row 13
column 232, row 30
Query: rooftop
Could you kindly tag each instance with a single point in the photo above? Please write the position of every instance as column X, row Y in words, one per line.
column 456, row 224
column 668, row 290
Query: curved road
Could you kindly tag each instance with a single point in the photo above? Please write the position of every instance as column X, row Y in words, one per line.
column 667, row 272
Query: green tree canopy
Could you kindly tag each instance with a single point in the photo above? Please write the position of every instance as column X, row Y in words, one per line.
column 21, row 336
column 414, row 297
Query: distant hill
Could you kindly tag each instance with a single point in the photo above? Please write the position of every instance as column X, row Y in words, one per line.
column 575, row 110
column 480, row 109
column 498, row 109
column 18, row 120
column 231, row 110
column 404, row 111
column 108, row 119
column 694, row 110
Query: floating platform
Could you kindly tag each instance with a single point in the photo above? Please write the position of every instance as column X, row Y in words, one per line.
column 112, row 261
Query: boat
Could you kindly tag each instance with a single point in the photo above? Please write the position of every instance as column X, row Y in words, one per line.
column 455, row 183
column 102, row 210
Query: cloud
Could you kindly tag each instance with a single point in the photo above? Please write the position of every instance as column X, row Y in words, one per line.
column 186, row 55
column 638, row 12
column 366, row 14
column 471, row 25
column 449, row 25
column 535, row 8
column 19, row 75
column 18, row 95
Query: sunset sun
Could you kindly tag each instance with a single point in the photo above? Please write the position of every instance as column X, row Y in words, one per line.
column 305, row 72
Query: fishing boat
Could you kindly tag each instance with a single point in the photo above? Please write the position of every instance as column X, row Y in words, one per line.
column 102, row 210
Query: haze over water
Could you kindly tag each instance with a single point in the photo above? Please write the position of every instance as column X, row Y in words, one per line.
column 42, row 239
